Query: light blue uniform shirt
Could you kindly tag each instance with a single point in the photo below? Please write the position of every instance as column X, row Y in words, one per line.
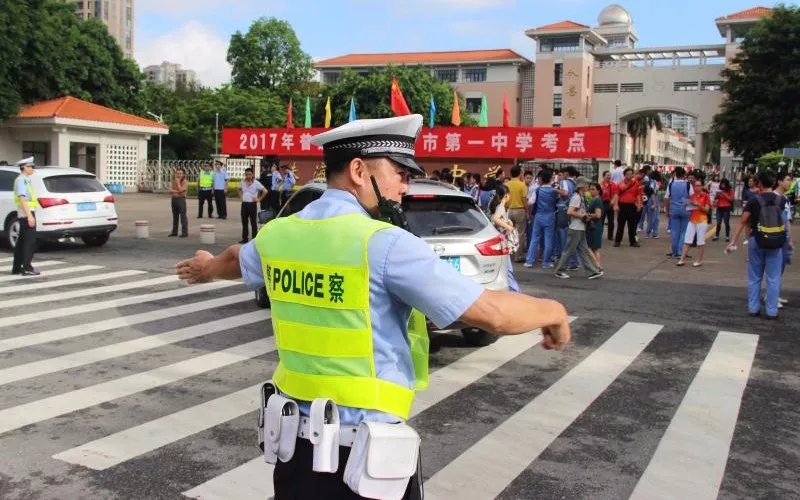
column 403, row 273
column 219, row 178
column 21, row 185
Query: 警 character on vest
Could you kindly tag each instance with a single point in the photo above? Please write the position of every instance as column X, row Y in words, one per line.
column 27, row 204
column 348, row 293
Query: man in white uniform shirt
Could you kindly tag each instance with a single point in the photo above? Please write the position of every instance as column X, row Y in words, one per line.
column 252, row 192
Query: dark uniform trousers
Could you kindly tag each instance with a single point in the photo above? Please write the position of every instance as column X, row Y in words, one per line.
column 205, row 195
column 249, row 215
column 285, row 195
column 26, row 246
column 608, row 214
column 222, row 205
column 627, row 215
column 295, row 479
column 179, row 212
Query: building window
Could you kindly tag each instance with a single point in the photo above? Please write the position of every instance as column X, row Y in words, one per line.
column 39, row 150
column 632, row 87
column 330, row 77
column 716, row 86
column 587, row 106
column 686, row 86
column 446, row 75
column 558, row 74
column 557, row 98
column 560, row 44
column 475, row 74
column 473, row 105
column 617, row 40
column 606, row 88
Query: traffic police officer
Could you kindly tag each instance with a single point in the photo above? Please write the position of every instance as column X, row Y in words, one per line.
column 205, row 191
column 27, row 204
column 342, row 286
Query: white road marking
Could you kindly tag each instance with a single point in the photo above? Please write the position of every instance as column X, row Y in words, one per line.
column 108, row 304
column 71, row 281
column 6, row 259
column 67, row 361
column 252, row 480
column 489, row 466
column 690, row 459
column 47, row 408
column 87, row 292
column 123, row 321
column 44, row 263
column 48, row 273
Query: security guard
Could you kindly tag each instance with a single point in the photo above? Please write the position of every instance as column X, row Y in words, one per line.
column 205, row 191
column 342, row 285
column 27, row 204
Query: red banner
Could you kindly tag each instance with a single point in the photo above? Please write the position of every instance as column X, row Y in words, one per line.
column 440, row 142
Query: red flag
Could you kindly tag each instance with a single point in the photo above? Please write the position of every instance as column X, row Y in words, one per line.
column 289, row 120
column 455, row 118
column 506, row 112
column 399, row 105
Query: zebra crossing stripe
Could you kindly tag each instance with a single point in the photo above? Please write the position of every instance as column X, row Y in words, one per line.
column 123, row 321
column 99, row 306
column 44, row 263
column 87, row 292
column 6, row 259
column 71, row 281
column 122, row 446
column 49, row 273
column 489, row 466
column 47, row 408
column 690, row 459
column 252, row 479
column 73, row 360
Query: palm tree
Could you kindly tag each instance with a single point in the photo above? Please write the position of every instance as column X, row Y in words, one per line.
column 639, row 127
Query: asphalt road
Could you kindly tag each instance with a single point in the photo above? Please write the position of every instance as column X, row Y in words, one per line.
column 119, row 382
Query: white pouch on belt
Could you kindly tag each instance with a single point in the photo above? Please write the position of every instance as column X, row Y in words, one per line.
column 281, row 420
column 382, row 460
column 324, row 435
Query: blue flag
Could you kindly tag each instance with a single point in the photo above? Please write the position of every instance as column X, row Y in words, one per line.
column 432, row 119
column 353, row 116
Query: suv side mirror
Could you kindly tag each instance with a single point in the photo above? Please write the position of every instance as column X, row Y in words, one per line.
column 265, row 216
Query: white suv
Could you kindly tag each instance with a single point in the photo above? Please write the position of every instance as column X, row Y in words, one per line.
column 73, row 204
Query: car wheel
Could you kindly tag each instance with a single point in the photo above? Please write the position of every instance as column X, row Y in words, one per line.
column 262, row 299
column 478, row 338
column 96, row 240
column 12, row 232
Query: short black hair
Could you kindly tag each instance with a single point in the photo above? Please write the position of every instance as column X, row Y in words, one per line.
column 680, row 172
column 617, row 163
column 515, row 171
column 528, row 172
column 248, row 169
column 629, row 169
column 546, row 176
column 766, row 178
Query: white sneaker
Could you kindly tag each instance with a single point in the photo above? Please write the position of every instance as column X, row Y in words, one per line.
column 781, row 300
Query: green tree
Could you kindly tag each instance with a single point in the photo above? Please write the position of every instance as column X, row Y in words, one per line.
column 762, row 111
column 639, row 127
column 269, row 56
column 372, row 94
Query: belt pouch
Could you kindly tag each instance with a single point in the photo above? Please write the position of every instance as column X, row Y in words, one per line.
column 324, row 435
column 382, row 460
column 281, row 420
column 267, row 390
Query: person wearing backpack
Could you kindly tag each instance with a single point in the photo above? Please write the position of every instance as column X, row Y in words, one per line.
column 543, row 213
column 763, row 214
column 563, row 220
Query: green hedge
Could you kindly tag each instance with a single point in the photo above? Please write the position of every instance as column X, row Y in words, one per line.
column 233, row 189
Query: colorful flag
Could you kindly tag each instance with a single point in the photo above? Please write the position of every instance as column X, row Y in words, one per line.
column 289, row 120
column 307, row 123
column 484, row 121
column 352, row 116
column 455, row 119
column 399, row 106
column 432, row 119
column 506, row 112
column 328, row 113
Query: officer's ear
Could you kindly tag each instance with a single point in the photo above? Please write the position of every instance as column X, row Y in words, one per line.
column 359, row 172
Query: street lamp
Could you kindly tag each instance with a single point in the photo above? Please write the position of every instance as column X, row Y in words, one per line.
column 160, row 119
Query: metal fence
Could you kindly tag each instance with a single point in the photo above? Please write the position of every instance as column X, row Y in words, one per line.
column 157, row 178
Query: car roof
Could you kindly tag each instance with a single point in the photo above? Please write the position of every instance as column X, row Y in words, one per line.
column 49, row 170
column 415, row 186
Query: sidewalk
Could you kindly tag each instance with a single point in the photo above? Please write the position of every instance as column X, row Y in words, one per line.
column 648, row 262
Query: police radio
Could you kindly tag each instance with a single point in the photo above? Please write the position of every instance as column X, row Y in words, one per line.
column 390, row 211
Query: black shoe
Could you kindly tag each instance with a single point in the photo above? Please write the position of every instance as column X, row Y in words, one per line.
column 573, row 268
column 635, row 245
column 16, row 271
column 30, row 272
column 170, row 235
column 184, row 235
column 199, row 216
column 616, row 244
column 754, row 315
column 242, row 242
column 771, row 317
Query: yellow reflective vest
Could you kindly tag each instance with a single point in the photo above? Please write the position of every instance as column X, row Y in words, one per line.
column 206, row 179
column 31, row 199
column 317, row 277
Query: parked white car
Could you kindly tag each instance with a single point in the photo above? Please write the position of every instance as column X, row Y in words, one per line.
column 73, row 204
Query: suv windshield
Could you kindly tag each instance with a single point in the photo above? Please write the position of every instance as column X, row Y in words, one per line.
column 72, row 184
column 442, row 215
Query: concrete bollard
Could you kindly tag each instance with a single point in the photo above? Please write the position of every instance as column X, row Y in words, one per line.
column 208, row 235
column 142, row 229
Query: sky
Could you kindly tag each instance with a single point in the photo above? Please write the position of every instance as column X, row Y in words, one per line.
column 195, row 33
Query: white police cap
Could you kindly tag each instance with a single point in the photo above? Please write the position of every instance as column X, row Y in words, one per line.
column 392, row 138
column 25, row 162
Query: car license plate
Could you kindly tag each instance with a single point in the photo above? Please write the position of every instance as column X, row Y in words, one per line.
column 86, row 207
column 453, row 261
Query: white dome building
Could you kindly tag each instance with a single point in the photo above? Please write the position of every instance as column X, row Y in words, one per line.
column 614, row 15
column 615, row 24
